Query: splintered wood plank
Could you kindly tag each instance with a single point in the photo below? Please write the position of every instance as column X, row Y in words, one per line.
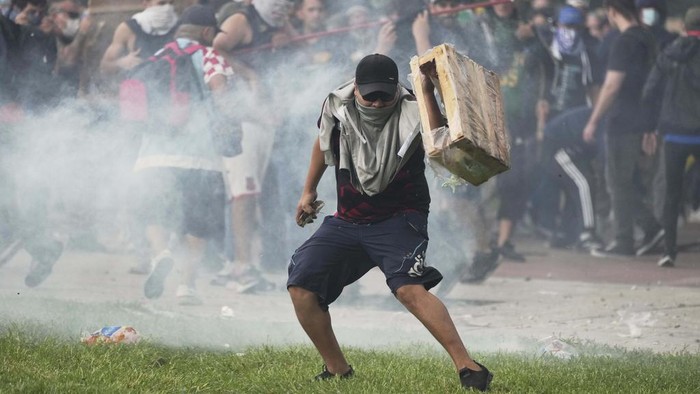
column 477, row 146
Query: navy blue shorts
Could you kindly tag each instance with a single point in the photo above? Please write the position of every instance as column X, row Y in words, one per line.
column 340, row 252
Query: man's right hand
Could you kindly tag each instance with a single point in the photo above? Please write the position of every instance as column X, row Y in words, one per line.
column 306, row 207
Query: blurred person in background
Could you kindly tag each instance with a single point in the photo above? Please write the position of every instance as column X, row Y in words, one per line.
column 597, row 24
column 179, row 166
column 514, row 52
column 630, row 61
column 653, row 14
column 24, row 219
column 672, row 99
column 26, row 12
column 71, row 32
column 568, row 163
column 578, row 74
column 245, row 28
column 140, row 37
column 361, row 42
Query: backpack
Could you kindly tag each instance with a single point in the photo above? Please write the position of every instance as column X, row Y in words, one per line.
column 163, row 89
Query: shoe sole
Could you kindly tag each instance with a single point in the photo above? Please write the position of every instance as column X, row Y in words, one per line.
column 155, row 284
column 652, row 244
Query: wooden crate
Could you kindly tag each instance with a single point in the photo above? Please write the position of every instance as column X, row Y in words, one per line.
column 477, row 146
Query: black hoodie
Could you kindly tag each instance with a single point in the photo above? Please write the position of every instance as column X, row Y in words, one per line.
column 672, row 91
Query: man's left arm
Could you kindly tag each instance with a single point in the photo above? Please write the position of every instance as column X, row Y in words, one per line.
column 435, row 117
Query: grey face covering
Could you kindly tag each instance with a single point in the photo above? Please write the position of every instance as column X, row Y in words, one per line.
column 371, row 139
column 375, row 117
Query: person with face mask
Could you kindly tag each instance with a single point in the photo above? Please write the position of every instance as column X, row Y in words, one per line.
column 244, row 28
column 69, row 29
column 652, row 14
column 578, row 72
column 26, row 12
column 179, row 169
column 369, row 130
column 140, row 37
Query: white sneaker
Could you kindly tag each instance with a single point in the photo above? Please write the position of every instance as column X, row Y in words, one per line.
column 666, row 261
column 188, row 296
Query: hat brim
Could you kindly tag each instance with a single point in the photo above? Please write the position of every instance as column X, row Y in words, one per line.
column 385, row 87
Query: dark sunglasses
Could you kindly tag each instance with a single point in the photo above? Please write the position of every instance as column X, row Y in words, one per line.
column 374, row 96
column 71, row 14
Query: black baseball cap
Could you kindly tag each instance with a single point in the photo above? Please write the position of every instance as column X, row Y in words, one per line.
column 377, row 73
column 199, row 15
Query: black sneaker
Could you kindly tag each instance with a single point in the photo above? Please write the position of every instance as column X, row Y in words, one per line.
column 479, row 380
column 614, row 250
column 325, row 375
column 42, row 264
column 651, row 241
column 483, row 266
column 155, row 284
column 508, row 252
column 667, row 261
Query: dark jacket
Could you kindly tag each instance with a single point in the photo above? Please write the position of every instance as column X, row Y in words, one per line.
column 27, row 64
column 672, row 91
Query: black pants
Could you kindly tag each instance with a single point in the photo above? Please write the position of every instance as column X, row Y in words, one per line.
column 573, row 175
column 676, row 156
column 623, row 178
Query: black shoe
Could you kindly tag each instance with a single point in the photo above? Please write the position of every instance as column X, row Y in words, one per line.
column 484, row 264
column 614, row 250
column 42, row 264
column 155, row 284
column 479, row 380
column 667, row 261
column 325, row 375
column 508, row 252
column 651, row 240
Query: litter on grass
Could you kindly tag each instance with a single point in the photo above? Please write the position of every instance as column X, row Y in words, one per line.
column 555, row 347
column 113, row 334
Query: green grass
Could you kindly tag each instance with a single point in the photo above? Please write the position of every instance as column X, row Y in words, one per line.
column 31, row 361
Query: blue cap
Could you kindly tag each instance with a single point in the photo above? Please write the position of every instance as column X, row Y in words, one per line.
column 570, row 16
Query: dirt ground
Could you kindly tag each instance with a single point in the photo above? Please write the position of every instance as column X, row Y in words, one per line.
column 623, row 303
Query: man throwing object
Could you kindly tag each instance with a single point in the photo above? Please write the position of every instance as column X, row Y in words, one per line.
column 369, row 130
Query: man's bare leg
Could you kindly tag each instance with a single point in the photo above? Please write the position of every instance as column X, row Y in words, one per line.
column 158, row 239
column 244, row 225
column 435, row 317
column 317, row 324
column 193, row 255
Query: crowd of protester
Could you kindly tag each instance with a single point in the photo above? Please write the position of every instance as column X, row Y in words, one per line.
column 586, row 92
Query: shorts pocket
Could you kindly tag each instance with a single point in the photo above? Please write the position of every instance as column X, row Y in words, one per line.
column 418, row 222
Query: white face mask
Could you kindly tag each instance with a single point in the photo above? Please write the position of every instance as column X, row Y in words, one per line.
column 274, row 12
column 650, row 16
column 161, row 18
column 71, row 29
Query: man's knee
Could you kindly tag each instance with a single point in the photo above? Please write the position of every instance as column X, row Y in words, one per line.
column 299, row 294
column 411, row 295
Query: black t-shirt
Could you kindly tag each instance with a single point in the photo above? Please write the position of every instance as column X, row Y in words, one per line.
column 632, row 53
